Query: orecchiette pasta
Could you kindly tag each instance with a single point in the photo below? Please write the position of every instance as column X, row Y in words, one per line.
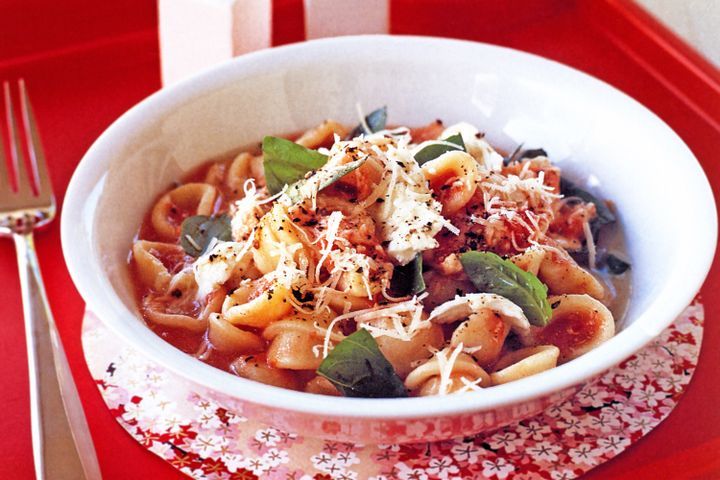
column 433, row 377
column 530, row 260
column 454, row 175
column 322, row 134
column 562, row 275
column 398, row 261
column 483, row 334
column 578, row 324
column 276, row 236
column 257, row 304
column 227, row 338
column 321, row 386
column 403, row 354
column 179, row 310
column 524, row 362
column 295, row 344
column 188, row 199
column 255, row 367
column 151, row 270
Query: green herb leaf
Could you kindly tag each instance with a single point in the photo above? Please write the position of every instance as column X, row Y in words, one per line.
column 197, row 232
column 408, row 279
column 302, row 189
column 519, row 154
column 604, row 214
column 616, row 265
column 492, row 274
column 434, row 150
column 357, row 368
column 375, row 121
column 286, row 162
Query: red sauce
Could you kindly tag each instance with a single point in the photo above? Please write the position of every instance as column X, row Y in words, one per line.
column 571, row 330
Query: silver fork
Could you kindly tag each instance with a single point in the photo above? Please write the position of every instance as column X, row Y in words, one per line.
column 62, row 445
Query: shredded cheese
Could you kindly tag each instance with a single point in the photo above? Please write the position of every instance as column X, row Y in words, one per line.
column 219, row 263
column 446, row 365
column 329, row 236
column 590, row 244
column 246, row 212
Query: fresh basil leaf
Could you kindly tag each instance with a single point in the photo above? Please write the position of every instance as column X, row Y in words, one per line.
column 408, row 279
column 302, row 189
column 434, row 150
column 519, row 154
column 197, row 232
column 491, row 274
column 604, row 214
column 357, row 368
column 375, row 121
column 285, row 162
column 616, row 265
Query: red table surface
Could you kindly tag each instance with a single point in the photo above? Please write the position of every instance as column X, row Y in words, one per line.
column 86, row 62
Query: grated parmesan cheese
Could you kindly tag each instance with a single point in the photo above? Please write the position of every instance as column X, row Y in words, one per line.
column 218, row 264
column 445, row 365
column 402, row 204
column 406, row 321
column 246, row 212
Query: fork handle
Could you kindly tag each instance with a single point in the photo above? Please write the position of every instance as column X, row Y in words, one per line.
column 62, row 445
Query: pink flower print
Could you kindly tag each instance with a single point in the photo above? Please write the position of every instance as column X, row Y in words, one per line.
column 321, row 460
column 630, row 380
column 559, row 410
column 604, row 422
column 405, row 472
column 634, row 364
column 648, row 396
column 205, row 444
column 232, row 461
column 572, row 425
column 544, row 451
column 534, row 430
column 686, row 351
column 466, row 452
column 393, row 447
column 163, row 450
column 584, row 454
column 642, row 423
column 347, row 458
column 275, row 457
column 591, row 396
column 268, row 437
column 442, row 467
column 620, row 410
column 349, row 475
column 562, row 475
column 499, row 468
column 505, row 440
column 255, row 465
column 613, row 444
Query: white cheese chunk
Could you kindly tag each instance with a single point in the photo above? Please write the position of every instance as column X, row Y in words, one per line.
column 408, row 216
column 217, row 265
column 476, row 146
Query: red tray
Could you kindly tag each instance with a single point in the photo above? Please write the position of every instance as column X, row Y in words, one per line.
column 87, row 62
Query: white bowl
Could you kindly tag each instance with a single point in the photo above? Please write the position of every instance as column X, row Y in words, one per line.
column 594, row 132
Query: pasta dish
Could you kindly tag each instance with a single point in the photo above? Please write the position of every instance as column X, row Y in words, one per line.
column 379, row 262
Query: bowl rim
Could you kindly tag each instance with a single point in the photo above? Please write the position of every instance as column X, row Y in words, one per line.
column 677, row 294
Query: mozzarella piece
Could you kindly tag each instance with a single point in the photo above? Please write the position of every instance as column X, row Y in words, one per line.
column 217, row 265
column 476, row 145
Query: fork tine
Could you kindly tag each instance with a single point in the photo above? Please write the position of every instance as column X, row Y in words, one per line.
column 24, row 187
column 37, row 154
column 5, row 184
